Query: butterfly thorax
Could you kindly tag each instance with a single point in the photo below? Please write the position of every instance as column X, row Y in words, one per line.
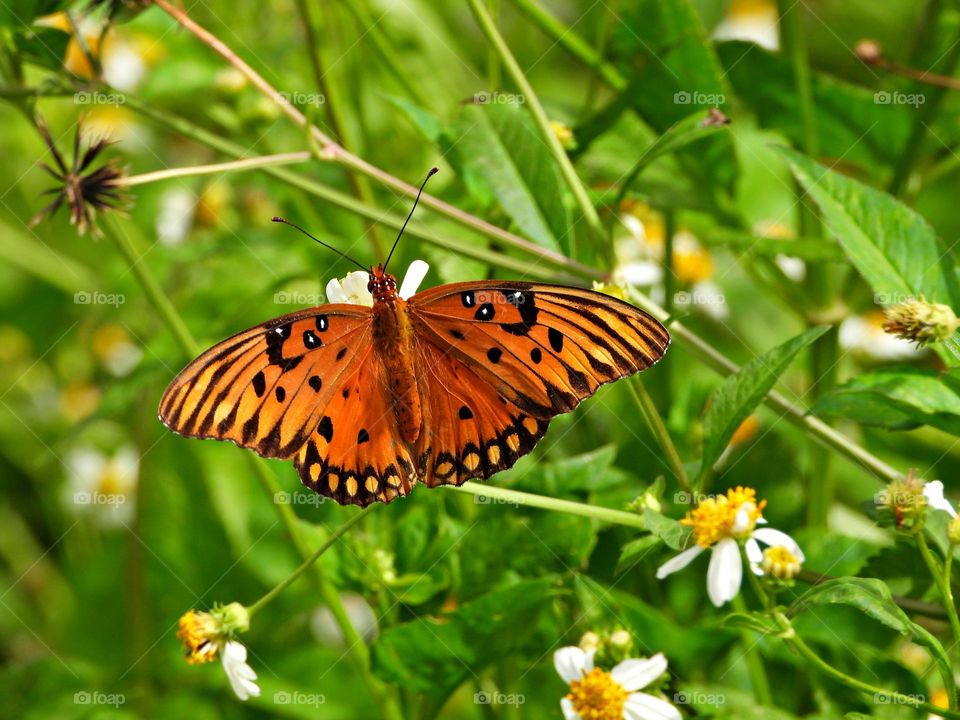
column 393, row 339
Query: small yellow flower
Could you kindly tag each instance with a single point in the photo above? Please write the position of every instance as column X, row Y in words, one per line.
column 564, row 134
column 780, row 563
column 208, row 635
column 200, row 634
column 597, row 696
column 732, row 515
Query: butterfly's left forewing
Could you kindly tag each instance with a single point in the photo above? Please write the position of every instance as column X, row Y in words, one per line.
column 265, row 387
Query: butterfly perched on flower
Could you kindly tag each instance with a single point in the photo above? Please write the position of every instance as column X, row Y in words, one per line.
column 371, row 396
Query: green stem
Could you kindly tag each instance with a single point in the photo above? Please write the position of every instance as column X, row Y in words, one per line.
column 941, row 579
column 924, row 116
column 356, row 647
column 825, row 434
column 758, row 676
column 326, row 545
column 327, row 84
column 493, row 495
column 549, row 137
column 233, row 166
column 659, row 430
column 814, row 658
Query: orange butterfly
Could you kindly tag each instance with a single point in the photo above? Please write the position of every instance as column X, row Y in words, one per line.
column 453, row 383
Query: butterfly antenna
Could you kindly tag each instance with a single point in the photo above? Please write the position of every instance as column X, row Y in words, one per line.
column 317, row 240
column 433, row 171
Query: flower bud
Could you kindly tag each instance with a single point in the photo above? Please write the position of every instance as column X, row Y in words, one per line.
column 780, row 563
column 589, row 641
column 921, row 322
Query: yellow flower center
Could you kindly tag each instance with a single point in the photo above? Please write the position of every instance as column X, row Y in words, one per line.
column 780, row 563
column 715, row 518
column 198, row 631
column 597, row 696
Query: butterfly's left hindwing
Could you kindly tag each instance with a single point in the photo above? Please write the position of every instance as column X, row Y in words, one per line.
column 264, row 387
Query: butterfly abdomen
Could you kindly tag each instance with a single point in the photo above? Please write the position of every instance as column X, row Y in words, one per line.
column 393, row 338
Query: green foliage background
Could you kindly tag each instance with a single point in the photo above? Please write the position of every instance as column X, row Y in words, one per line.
column 474, row 595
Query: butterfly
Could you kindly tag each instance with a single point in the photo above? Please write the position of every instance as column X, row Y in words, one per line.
column 455, row 382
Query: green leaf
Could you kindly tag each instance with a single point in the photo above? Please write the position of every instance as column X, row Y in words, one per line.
column 19, row 14
column 740, row 393
column 663, row 48
column 636, row 550
column 432, row 656
column 755, row 621
column 667, row 529
column 499, row 144
column 873, row 598
column 893, row 248
column 850, row 123
column 896, row 400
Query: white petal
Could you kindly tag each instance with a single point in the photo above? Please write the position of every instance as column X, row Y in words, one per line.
column 754, row 555
column 933, row 492
column 588, row 660
column 769, row 536
column 352, row 289
column 679, row 562
column 636, row 674
column 335, row 293
column 411, row 281
column 240, row 675
column 640, row 706
column 570, row 663
column 725, row 572
column 566, row 707
column 640, row 273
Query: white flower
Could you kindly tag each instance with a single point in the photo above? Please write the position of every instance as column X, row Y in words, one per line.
column 793, row 267
column 750, row 20
column 326, row 631
column 104, row 487
column 864, row 335
column 720, row 524
column 239, row 673
column 353, row 288
column 175, row 215
column 597, row 693
column 933, row 492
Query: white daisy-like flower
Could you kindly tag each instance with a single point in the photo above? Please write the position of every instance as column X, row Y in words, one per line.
column 102, row 486
column 751, row 20
column 596, row 694
column 721, row 524
column 241, row 676
column 353, row 288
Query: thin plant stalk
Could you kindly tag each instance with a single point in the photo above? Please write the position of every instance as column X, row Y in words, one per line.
column 941, row 577
column 215, row 168
column 659, row 430
column 758, row 675
column 547, row 135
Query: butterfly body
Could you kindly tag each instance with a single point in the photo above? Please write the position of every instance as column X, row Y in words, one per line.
column 455, row 382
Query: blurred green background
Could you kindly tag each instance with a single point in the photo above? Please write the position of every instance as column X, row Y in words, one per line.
column 111, row 527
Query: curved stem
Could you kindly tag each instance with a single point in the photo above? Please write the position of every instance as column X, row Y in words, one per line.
column 942, row 579
column 758, row 676
column 326, row 545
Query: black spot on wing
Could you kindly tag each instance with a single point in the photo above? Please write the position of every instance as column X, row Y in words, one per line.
column 494, row 354
column 556, row 339
column 280, row 393
column 325, row 428
column 316, row 383
column 259, row 383
column 362, row 436
column 465, row 413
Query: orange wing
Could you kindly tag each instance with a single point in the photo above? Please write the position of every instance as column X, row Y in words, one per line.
column 356, row 454
column 497, row 360
column 544, row 348
column 264, row 388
